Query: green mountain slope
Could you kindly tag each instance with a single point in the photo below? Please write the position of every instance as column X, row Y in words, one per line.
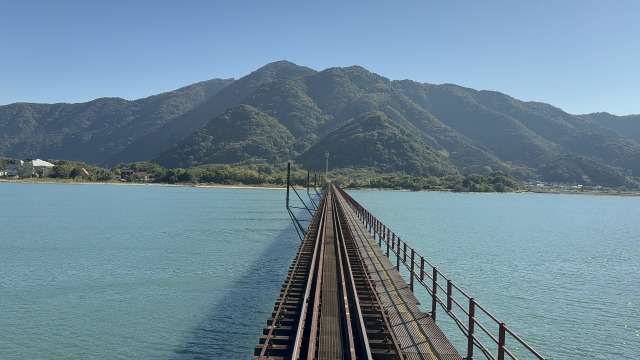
column 626, row 126
column 182, row 126
column 242, row 133
column 95, row 130
column 375, row 141
column 428, row 129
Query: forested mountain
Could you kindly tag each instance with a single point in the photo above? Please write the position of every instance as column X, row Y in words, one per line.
column 374, row 140
column 242, row 133
column 626, row 126
column 96, row 130
column 185, row 124
column 283, row 111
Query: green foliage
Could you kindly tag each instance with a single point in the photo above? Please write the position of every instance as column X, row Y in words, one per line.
column 576, row 169
column 95, row 130
column 243, row 133
column 625, row 126
column 373, row 140
column 4, row 162
column 493, row 182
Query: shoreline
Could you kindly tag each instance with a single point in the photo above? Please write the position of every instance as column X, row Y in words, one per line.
column 603, row 192
column 266, row 187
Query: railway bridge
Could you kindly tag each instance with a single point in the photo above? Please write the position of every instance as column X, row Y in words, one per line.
column 345, row 297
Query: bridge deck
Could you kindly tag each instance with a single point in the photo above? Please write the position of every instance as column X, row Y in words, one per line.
column 418, row 335
column 344, row 299
column 330, row 336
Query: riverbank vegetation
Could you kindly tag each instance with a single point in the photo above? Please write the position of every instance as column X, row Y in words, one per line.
column 264, row 175
column 267, row 175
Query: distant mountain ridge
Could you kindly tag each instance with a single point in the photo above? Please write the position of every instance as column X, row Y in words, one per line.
column 283, row 111
column 95, row 130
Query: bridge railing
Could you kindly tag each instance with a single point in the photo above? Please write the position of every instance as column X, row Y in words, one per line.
column 482, row 329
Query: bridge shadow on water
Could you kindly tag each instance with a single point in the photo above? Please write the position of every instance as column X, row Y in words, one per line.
column 232, row 327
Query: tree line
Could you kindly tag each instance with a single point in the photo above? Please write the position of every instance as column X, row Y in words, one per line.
column 262, row 174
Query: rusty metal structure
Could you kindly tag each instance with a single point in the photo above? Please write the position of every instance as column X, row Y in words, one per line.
column 344, row 297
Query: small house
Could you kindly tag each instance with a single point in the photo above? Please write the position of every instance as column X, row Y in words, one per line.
column 37, row 167
column 132, row 175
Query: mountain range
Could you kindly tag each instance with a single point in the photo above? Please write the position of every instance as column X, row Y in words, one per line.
column 283, row 112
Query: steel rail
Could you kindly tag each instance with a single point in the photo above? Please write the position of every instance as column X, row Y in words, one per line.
column 349, row 290
column 317, row 254
column 370, row 285
column 315, row 313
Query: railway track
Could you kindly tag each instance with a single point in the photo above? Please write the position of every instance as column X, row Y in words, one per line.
column 328, row 307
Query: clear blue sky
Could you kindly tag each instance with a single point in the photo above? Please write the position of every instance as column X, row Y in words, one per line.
column 580, row 55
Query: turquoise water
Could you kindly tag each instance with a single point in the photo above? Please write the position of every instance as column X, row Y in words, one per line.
column 145, row 272
column 562, row 271
column 94, row 271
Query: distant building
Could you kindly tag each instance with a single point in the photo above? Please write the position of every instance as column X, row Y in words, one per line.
column 13, row 170
column 36, row 167
column 126, row 173
column 132, row 175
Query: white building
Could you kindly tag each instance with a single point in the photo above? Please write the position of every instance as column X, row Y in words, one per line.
column 30, row 168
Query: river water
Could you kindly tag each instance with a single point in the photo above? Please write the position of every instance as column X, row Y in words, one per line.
column 146, row 272
column 563, row 271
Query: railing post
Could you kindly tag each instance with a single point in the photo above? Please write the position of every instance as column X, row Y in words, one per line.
column 472, row 323
column 404, row 255
column 434, row 296
column 501, row 341
column 421, row 268
column 380, row 237
column 449, row 290
column 375, row 226
column 388, row 246
column 398, row 256
column 413, row 253
column 388, row 236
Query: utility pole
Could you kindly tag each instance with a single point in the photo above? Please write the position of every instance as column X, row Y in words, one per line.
column 288, row 181
column 326, row 169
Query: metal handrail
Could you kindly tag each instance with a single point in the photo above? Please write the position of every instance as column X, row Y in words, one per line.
column 392, row 243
